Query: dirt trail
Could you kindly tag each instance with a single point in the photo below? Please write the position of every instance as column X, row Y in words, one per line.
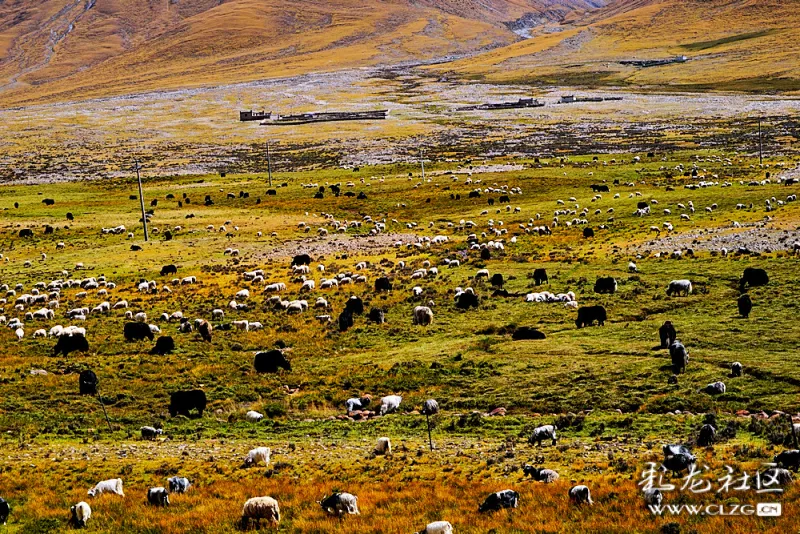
column 757, row 237
column 322, row 246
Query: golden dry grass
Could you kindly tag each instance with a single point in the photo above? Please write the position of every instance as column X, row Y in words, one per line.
column 739, row 45
column 129, row 47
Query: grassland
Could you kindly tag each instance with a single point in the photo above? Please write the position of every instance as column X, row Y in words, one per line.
column 605, row 387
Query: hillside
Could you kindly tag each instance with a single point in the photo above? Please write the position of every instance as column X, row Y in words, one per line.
column 88, row 48
column 736, row 45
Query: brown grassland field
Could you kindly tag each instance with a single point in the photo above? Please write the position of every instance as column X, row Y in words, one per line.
column 605, row 387
column 86, row 88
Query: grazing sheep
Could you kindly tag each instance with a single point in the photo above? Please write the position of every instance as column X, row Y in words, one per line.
column 501, row 499
column 679, row 356
column 178, row 484
column 205, row 329
column 423, row 315
column 390, row 404
column 540, row 475
column 544, row 432
column 340, row 503
column 253, row 416
column 308, row 285
column 258, row 508
column 437, row 527
column 79, row 514
column 677, row 287
column 580, row 495
column 158, row 496
column 357, row 403
column 653, row 497
column 257, row 455
column 383, row 446
column 736, row 369
column 113, row 485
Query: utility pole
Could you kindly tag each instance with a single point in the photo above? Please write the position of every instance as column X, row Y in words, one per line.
column 99, row 398
column 269, row 164
column 760, row 145
column 141, row 198
column 422, row 161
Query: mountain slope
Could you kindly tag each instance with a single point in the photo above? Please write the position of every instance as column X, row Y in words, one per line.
column 67, row 49
column 730, row 44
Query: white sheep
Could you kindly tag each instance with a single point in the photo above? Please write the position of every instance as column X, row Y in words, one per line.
column 244, row 294
column 81, row 513
column 257, row 455
column 383, row 446
column 258, row 508
column 423, row 315
column 437, row 527
column 390, row 404
column 253, row 416
column 580, row 494
column 308, row 285
column 113, row 485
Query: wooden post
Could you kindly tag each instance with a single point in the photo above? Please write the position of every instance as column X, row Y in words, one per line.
column 269, row 164
column 791, row 429
column 430, row 440
column 422, row 161
column 760, row 144
column 104, row 411
column 141, row 199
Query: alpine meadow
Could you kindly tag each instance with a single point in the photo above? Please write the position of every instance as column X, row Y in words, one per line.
column 395, row 267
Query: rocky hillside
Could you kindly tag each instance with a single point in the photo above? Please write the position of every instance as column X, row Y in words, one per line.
column 68, row 49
